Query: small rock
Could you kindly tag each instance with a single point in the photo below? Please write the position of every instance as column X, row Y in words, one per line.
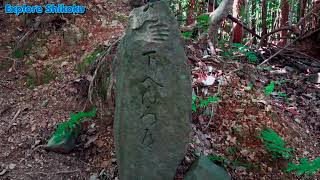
column 64, row 63
column 12, row 166
column 297, row 120
column 204, row 169
column 90, row 141
column 209, row 81
column 92, row 129
column 45, row 103
column 3, row 172
column 94, row 177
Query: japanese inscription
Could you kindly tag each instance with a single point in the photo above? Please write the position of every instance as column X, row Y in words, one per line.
column 153, row 96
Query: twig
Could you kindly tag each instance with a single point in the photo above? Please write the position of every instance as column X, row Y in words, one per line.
column 211, row 117
column 38, row 21
column 100, row 61
column 235, row 20
column 265, row 61
column 66, row 172
column 16, row 115
column 310, row 33
column 14, row 118
column 291, row 28
column 213, row 51
column 54, row 173
column 3, row 57
column 35, row 173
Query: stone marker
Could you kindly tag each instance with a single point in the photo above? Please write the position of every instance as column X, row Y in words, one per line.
column 204, row 169
column 153, row 102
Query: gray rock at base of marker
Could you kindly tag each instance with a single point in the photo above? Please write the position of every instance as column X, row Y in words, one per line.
column 64, row 146
column 204, row 169
column 153, row 96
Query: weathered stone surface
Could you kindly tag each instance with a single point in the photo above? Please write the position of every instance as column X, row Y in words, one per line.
column 133, row 3
column 204, row 169
column 153, row 102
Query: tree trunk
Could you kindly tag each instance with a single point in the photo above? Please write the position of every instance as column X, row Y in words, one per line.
column 211, row 5
column 179, row 13
column 201, row 6
column 190, row 18
column 285, row 8
column 315, row 20
column 264, row 20
column 253, row 19
column 303, row 6
column 237, row 32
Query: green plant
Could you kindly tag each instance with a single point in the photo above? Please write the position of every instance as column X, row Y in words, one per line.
column 45, row 76
column 187, row 34
column 72, row 127
column 243, row 49
column 89, row 60
column 194, row 103
column 270, row 88
column 226, row 162
column 205, row 102
column 218, row 159
column 249, row 87
column 48, row 75
column 20, row 53
column 275, row 144
column 203, row 22
column 305, row 167
column 201, row 103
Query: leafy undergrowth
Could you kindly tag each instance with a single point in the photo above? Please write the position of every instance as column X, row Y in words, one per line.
column 275, row 144
column 252, row 129
column 305, row 167
column 71, row 127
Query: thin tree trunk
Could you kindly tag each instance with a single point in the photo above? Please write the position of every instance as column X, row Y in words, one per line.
column 190, row 18
column 303, row 7
column 237, row 32
column 179, row 13
column 211, row 5
column 253, row 19
column 285, row 8
column 315, row 21
column 201, row 7
column 264, row 20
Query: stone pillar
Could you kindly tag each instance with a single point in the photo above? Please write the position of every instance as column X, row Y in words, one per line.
column 153, row 96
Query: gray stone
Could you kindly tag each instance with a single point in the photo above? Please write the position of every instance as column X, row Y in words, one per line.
column 204, row 169
column 133, row 3
column 153, row 96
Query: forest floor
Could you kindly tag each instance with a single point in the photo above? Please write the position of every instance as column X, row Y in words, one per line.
column 39, row 89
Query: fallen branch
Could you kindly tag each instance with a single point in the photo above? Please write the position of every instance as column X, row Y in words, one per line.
column 264, row 37
column 99, row 63
column 235, row 20
column 14, row 119
column 265, row 61
column 16, row 115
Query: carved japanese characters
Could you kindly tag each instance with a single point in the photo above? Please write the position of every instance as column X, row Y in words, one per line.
column 153, row 96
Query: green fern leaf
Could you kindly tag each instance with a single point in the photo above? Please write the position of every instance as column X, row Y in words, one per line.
column 275, row 144
column 305, row 167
